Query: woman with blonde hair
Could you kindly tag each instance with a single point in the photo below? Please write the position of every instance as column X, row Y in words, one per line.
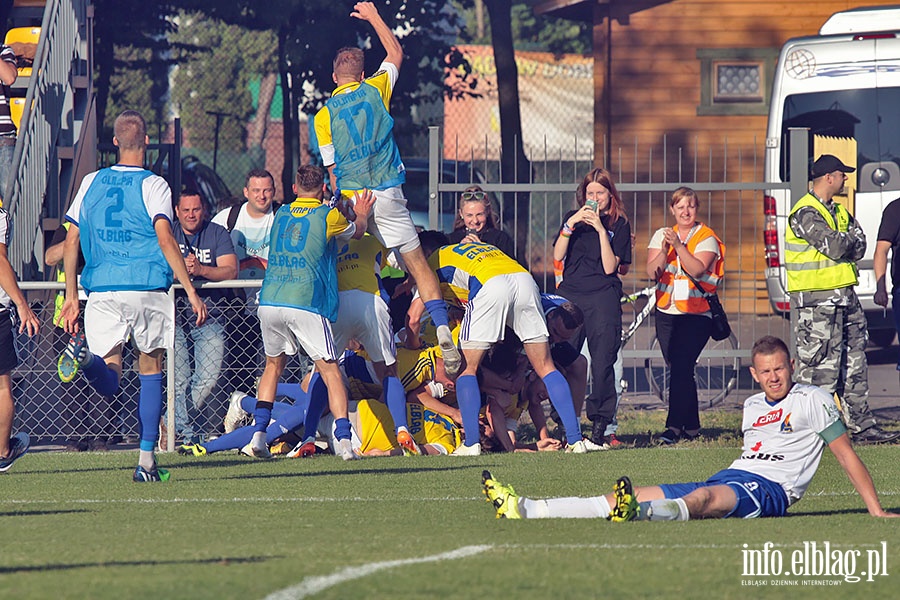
column 476, row 223
column 593, row 241
column 675, row 255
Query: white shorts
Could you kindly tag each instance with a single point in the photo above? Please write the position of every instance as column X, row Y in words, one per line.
column 365, row 317
column 110, row 318
column 287, row 330
column 504, row 300
column 390, row 221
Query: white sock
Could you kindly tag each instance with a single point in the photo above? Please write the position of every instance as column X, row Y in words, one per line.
column 565, row 508
column 146, row 459
column 259, row 439
column 674, row 509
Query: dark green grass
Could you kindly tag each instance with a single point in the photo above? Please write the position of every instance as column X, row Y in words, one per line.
column 226, row 526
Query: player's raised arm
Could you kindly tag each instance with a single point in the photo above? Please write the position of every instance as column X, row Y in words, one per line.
column 859, row 475
column 366, row 11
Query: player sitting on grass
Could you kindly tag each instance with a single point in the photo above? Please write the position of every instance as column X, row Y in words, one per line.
column 786, row 428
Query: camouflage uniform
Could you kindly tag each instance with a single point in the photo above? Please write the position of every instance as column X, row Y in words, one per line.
column 831, row 332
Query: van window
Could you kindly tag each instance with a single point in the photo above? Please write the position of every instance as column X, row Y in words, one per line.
column 869, row 115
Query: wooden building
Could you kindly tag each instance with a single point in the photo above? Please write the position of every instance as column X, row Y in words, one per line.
column 681, row 94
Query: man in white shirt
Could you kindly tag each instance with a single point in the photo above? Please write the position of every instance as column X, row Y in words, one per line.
column 250, row 225
column 786, row 429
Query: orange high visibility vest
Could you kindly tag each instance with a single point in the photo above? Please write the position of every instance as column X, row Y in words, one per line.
column 696, row 302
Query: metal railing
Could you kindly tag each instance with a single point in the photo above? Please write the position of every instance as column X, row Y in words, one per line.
column 60, row 57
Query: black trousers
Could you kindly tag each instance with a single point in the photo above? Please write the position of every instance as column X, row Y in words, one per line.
column 603, row 333
column 682, row 339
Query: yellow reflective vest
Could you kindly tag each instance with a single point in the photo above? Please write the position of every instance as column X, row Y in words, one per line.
column 807, row 268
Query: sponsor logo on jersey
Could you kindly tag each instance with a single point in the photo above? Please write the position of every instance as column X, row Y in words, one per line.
column 786, row 426
column 755, row 447
column 773, row 416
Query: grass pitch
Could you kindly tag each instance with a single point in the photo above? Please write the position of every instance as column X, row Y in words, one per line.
column 226, row 526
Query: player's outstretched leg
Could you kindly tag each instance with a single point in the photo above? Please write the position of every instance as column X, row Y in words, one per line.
column 502, row 497
column 626, row 508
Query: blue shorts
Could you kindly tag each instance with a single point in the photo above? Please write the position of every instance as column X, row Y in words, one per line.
column 756, row 496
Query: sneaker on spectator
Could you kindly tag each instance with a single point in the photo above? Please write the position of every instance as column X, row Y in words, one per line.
column 236, row 417
column 614, row 442
column 18, row 446
column 72, row 357
column 502, row 497
column 463, row 450
column 666, row 438
column 142, row 475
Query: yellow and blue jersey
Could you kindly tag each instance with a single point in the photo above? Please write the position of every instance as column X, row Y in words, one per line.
column 462, row 269
column 355, row 126
column 359, row 265
column 376, row 427
column 302, row 270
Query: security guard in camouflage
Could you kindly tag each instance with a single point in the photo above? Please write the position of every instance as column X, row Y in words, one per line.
column 822, row 245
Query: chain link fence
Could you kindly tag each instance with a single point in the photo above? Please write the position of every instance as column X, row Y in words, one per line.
column 73, row 413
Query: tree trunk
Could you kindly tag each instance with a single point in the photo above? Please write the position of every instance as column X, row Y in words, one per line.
column 290, row 131
column 257, row 131
column 514, row 165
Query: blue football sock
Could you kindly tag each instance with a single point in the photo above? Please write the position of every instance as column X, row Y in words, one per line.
column 262, row 414
column 396, row 401
column 561, row 399
column 290, row 417
column 235, row 440
column 149, row 409
column 438, row 311
column 318, row 400
column 248, row 404
column 468, row 396
column 294, row 391
column 103, row 379
column 342, row 429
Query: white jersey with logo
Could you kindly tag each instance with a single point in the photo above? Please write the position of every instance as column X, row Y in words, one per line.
column 783, row 442
column 5, row 236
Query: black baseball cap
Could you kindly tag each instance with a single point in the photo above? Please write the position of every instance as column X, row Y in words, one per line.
column 828, row 163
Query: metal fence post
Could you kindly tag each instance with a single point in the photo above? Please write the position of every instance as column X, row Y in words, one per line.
column 434, row 156
column 799, row 180
column 170, row 383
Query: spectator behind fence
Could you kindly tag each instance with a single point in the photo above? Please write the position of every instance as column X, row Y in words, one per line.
column 476, row 223
column 208, row 256
column 822, row 244
column 8, row 76
column 130, row 256
column 12, row 447
column 88, row 415
column 593, row 242
column 356, row 139
column 250, row 225
column 793, row 422
column 683, row 323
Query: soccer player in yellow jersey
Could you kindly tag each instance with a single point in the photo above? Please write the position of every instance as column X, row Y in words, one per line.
column 433, row 433
column 363, row 316
column 497, row 292
column 355, row 134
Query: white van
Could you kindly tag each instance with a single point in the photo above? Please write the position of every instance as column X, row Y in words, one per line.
column 844, row 83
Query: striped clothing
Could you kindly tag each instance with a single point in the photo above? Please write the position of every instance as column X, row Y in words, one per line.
column 7, row 127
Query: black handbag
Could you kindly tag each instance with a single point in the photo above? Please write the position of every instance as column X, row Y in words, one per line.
column 720, row 327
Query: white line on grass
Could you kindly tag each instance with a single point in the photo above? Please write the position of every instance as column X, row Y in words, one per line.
column 314, row 585
column 314, row 499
